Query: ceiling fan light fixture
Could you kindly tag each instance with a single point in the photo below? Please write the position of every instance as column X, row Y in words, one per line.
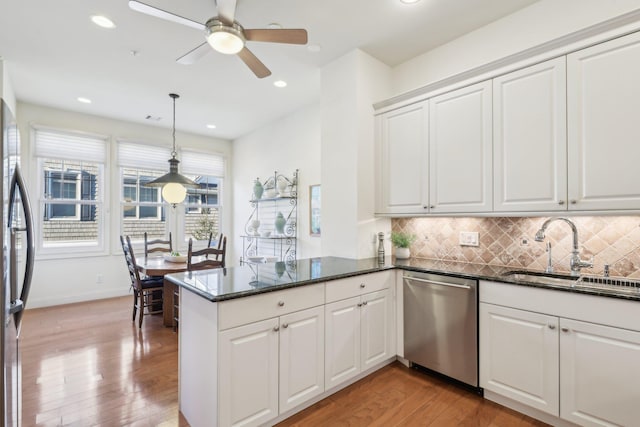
column 223, row 38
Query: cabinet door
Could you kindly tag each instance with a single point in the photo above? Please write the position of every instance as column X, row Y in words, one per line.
column 301, row 357
column 248, row 374
column 599, row 375
column 376, row 328
column 530, row 139
column 403, row 160
column 342, row 344
column 460, row 150
column 603, row 125
column 519, row 356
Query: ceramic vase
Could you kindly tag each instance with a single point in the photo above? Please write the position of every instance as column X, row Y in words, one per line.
column 255, row 224
column 282, row 187
column 258, row 189
column 280, row 223
column 280, row 268
column 403, row 253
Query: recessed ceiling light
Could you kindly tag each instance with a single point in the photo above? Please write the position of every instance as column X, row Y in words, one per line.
column 84, row 100
column 314, row 48
column 102, row 21
column 211, row 126
column 274, row 26
column 409, row 1
column 280, row 83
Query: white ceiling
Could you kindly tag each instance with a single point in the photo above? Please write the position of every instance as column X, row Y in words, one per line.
column 55, row 54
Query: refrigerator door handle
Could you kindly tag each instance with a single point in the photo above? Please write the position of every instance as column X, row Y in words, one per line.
column 17, row 184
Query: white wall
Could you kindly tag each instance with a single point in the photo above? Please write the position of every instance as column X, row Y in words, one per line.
column 67, row 279
column 6, row 89
column 350, row 85
column 285, row 145
column 541, row 22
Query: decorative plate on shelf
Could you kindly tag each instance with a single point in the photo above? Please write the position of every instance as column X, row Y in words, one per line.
column 271, row 258
column 256, row 259
column 175, row 258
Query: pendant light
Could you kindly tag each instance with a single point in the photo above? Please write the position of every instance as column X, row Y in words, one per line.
column 173, row 184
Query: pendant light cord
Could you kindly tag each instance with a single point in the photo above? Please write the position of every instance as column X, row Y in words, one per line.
column 174, row 96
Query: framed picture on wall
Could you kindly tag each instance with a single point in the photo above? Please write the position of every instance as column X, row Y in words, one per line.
column 314, row 210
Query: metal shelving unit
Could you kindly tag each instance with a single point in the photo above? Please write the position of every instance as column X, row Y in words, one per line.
column 265, row 241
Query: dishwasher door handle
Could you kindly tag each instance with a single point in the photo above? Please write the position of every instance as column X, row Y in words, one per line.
column 435, row 282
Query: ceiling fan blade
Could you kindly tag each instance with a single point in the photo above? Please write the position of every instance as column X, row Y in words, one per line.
column 226, row 10
column 277, row 36
column 252, row 61
column 194, row 54
column 163, row 14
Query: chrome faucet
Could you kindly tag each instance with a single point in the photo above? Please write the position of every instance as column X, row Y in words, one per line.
column 575, row 263
column 549, row 268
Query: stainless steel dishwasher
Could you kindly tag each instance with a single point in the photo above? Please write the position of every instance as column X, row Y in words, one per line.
column 441, row 324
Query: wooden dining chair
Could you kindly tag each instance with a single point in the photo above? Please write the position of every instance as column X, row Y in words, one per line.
column 157, row 245
column 221, row 238
column 147, row 292
column 214, row 257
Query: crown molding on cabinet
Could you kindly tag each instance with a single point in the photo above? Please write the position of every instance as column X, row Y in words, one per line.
column 598, row 33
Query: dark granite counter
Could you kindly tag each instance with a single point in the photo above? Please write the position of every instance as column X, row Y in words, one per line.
column 250, row 279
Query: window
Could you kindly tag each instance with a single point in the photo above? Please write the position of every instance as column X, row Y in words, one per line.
column 202, row 206
column 71, row 167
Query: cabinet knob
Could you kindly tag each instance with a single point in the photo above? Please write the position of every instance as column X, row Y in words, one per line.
column 561, row 202
column 573, row 202
column 362, row 285
column 552, row 327
column 276, row 328
column 359, row 304
column 280, row 303
column 364, row 303
column 285, row 325
column 432, row 207
column 425, row 207
column 564, row 329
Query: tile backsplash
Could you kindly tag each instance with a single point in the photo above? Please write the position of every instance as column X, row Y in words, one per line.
column 509, row 241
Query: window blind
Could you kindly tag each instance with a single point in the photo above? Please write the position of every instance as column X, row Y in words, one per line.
column 196, row 163
column 142, row 156
column 52, row 144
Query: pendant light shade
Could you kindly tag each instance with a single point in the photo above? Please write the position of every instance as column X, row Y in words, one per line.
column 173, row 184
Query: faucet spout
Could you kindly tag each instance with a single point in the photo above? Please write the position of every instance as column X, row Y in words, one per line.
column 575, row 263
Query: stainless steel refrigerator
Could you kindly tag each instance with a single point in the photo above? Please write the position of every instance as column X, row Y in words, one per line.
column 16, row 235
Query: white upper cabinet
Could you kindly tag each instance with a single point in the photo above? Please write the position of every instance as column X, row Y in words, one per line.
column 402, row 159
column 460, row 159
column 529, row 139
column 603, row 90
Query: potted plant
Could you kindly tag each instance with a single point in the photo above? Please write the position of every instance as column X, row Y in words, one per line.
column 402, row 241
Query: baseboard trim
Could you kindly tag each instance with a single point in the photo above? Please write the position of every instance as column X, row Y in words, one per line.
column 51, row 301
column 527, row 410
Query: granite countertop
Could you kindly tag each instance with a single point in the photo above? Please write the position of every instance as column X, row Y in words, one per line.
column 250, row 279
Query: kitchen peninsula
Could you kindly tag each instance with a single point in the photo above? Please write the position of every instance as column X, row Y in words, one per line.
column 260, row 342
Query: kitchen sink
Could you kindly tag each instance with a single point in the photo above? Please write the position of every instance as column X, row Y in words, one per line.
column 616, row 285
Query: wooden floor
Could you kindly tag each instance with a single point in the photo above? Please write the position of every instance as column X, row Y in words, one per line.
column 87, row 364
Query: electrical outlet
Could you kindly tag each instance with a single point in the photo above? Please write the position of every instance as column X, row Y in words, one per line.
column 469, row 238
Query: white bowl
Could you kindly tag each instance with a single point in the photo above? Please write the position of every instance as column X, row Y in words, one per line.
column 270, row 258
column 256, row 259
column 270, row 193
column 265, row 234
column 171, row 258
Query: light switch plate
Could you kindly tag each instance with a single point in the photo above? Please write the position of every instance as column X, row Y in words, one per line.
column 469, row 238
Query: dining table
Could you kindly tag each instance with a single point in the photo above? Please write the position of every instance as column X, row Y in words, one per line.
column 159, row 266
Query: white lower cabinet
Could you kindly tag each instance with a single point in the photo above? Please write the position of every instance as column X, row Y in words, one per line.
column 599, row 376
column 519, row 356
column 271, row 366
column 358, row 335
column 574, row 370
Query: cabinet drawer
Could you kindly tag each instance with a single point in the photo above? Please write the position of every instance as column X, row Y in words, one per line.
column 241, row 311
column 357, row 285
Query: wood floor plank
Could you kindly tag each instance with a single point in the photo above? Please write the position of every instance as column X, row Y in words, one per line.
column 87, row 364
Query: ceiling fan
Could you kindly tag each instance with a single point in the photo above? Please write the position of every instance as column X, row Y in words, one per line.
column 224, row 34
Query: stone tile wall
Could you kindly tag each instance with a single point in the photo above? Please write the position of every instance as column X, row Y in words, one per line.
column 509, row 241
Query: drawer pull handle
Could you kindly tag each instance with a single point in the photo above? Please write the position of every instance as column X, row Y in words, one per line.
column 362, row 285
column 285, row 325
column 564, row 329
column 276, row 328
column 281, row 303
column 552, row 327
